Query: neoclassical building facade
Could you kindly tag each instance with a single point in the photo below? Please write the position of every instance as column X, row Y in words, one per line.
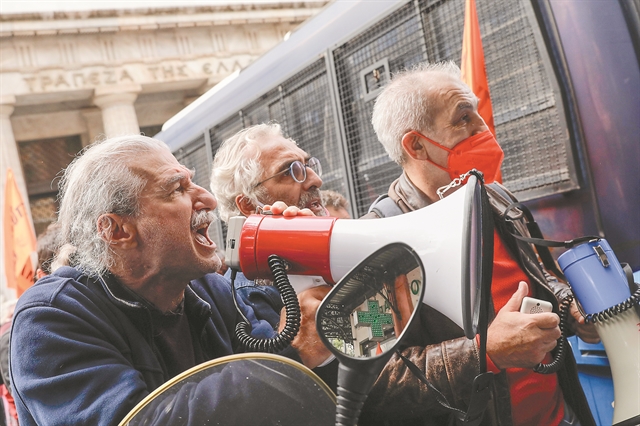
column 71, row 77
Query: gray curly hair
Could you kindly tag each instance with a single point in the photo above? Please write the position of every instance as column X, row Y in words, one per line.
column 404, row 105
column 98, row 181
column 237, row 169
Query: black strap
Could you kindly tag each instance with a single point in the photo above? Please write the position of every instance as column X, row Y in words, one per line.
column 487, row 273
column 537, row 239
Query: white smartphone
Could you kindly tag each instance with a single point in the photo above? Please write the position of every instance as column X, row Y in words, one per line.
column 535, row 306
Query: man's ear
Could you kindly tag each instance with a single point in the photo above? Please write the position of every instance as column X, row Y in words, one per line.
column 245, row 205
column 414, row 146
column 117, row 230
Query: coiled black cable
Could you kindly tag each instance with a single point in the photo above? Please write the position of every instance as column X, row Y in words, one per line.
column 633, row 300
column 292, row 325
column 553, row 366
column 561, row 348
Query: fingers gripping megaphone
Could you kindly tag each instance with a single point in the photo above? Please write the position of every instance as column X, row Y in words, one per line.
column 446, row 235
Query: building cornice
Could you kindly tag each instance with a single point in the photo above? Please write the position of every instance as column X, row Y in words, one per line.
column 43, row 24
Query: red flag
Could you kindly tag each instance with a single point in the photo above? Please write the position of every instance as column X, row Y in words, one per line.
column 474, row 72
column 379, row 349
column 19, row 239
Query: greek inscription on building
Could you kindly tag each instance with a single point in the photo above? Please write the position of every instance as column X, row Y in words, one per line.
column 57, row 81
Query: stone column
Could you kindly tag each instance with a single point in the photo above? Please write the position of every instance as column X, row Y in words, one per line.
column 9, row 157
column 95, row 127
column 118, row 113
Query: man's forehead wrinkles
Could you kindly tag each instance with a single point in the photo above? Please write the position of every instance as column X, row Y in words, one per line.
column 284, row 164
column 462, row 105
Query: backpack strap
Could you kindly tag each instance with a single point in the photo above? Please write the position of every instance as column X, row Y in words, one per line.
column 536, row 238
column 384, row 206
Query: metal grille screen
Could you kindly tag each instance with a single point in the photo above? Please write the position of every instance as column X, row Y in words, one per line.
column 399, row 40
column 528, row 114
column 309, row 121
column 529, row 121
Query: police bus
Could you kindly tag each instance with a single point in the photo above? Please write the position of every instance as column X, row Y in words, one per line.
column 564, row 80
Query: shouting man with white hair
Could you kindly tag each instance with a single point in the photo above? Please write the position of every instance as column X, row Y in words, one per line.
column 142, row 303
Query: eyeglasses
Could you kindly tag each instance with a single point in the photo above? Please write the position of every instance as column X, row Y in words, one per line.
column 298, row 170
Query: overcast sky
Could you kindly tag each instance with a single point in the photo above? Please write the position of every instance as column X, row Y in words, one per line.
column 19, row 6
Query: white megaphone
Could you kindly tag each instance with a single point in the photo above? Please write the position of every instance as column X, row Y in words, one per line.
column 446, row 235
column 600, row 285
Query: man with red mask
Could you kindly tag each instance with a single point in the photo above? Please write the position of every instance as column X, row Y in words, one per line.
column 427, row 119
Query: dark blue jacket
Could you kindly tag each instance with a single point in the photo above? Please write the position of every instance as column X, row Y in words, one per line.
column 265, row 301
column 82, row 355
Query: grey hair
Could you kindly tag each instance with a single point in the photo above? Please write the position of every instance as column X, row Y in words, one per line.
column 100, row 180
column 237, row 169
column 333, row 199
column 405, row 105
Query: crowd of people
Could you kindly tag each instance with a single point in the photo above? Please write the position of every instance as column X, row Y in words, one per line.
column 138, row 293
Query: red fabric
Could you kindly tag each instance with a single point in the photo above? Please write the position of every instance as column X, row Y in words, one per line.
column 474, row 73
column 4, row 393
column 536, row 399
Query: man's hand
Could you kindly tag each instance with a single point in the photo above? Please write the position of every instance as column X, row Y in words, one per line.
column 521, row 340
column 586, row 332
column 307, row 342
column 280, row 207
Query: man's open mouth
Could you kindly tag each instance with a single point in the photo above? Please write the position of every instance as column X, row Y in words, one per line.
column 202, row 235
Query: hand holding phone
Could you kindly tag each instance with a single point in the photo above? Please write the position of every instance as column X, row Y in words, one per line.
column 531, row 305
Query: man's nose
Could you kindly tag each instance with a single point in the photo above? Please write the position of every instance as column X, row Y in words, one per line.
column 312, row 180
column 204, row 200
column 479, row 125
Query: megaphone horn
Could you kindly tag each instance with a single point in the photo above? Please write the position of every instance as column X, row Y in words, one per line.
column 601, row 287
column 446, row 235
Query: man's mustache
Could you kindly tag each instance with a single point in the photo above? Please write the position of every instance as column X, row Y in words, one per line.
column 202, row 217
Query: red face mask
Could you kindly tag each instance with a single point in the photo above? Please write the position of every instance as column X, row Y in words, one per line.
column 480, row 151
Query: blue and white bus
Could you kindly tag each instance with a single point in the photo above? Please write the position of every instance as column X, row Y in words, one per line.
column 564, row 78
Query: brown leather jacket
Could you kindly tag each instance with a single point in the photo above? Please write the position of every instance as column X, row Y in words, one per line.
column 449, row 360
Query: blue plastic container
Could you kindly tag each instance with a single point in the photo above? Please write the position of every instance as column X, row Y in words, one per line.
column 595, row 275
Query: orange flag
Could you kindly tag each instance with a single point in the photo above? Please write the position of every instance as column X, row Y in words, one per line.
column 19, row 239
column 472, row 66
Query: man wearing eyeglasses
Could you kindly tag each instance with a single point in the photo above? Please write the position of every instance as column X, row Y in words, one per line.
column 256, row 167
column 259, row 166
